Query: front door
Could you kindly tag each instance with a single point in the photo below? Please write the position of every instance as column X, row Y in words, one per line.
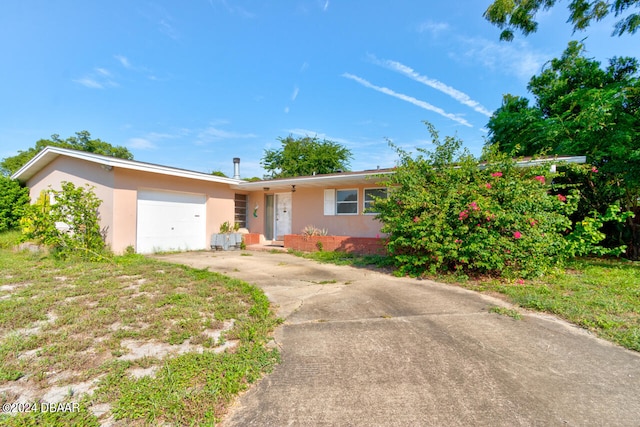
column 283, row 215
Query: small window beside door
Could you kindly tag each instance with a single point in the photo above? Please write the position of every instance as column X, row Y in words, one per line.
column 240, row 201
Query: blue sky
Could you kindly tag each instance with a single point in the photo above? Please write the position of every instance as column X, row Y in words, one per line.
column 193, row 84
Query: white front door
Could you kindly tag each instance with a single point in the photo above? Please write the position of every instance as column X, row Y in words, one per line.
column 283, row 215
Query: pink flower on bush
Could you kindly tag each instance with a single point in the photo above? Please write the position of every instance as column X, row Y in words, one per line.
column 562, row 198
column 487, row 185
column 539, row 178
column 458, row 241
column 496, row 174
column 520, row 282
column 416, row 219
column 594, row 169
column 463, row 215
column 533, row 222
column 474, row 206
column 517, row 235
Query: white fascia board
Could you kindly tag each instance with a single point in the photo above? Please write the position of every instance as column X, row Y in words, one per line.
column 49, row 154
column 315, row 181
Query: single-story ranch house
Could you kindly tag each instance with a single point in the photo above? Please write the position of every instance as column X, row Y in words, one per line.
column 158, row 208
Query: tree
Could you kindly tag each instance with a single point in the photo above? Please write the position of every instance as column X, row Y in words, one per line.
column 13, row 200
column 511, row 15
column 583, row 109
column 305, row 156
column 82, row 141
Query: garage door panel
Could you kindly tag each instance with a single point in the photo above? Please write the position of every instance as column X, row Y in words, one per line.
column 170, row 221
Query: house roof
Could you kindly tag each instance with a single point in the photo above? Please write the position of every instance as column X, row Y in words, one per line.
column 49, row 154
column 371, row 176
column 324, row 180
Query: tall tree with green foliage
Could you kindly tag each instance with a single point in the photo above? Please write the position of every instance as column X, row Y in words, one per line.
column 13, row 201
column 512, row 15
column 305, row 156
column 582, row 108
column 82, row 141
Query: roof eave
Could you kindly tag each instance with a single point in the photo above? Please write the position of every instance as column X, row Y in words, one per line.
column 315, row 181
column 49, row 154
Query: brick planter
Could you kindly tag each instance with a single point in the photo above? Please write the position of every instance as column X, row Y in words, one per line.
column 251, row 238
column 358, row 245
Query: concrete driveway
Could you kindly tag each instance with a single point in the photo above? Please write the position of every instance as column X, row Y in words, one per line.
column 362, row 348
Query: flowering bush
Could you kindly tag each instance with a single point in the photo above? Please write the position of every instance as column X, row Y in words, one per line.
column 448, row 212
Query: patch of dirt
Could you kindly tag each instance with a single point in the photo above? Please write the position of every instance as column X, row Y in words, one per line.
column 61, row 386
column 138, row 349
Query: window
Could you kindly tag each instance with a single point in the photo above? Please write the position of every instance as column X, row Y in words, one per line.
column 346, row 202
column 240, row 201
column 370, row 195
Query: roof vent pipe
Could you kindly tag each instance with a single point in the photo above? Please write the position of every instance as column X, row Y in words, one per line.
column 236, row 168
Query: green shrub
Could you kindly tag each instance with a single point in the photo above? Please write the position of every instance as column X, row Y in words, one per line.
column 71, row 224
column 13, row 201
column 447, row 212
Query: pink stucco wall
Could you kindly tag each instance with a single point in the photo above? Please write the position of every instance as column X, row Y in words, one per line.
column 220, row 204
column 308, row 209
column 118, row 190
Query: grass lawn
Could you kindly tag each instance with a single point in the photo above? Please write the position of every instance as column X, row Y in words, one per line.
column 602, row 296
column 135, row 340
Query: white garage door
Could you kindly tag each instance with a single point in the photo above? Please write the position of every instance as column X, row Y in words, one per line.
column 170, row 221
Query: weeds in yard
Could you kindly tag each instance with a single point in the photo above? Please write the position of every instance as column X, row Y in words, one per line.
column 69, row 323
column 506, row 312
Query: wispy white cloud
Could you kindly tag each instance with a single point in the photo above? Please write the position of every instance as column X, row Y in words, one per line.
column 304, row 66
column 296, row 91
column 212, row 134
column 325, row 6
column 417, row 102
column 233, row 9
column 459, row 96
column 286, row 110
column 168, row 29
column 103, row 72
column 89, row 82
column 435, row 28
column 129, row 66
column 124, row 61
column 141, row 144
column 515, row 58
column 100, row 78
